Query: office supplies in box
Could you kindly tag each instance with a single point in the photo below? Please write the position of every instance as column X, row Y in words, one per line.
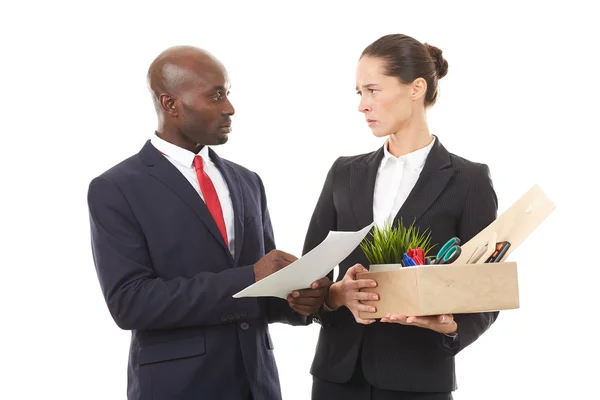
column 469, row 284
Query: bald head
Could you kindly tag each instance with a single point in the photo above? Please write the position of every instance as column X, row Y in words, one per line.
column 179, row 67
column 190, row 89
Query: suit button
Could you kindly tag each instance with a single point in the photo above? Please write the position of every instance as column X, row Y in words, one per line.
column 244, row 326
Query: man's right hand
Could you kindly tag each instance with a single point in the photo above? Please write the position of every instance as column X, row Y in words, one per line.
column 272, row 262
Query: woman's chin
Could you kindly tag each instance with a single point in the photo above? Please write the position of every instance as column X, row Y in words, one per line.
column 379, row 133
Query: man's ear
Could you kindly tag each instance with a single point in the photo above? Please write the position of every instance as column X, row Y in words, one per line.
column 168, row 104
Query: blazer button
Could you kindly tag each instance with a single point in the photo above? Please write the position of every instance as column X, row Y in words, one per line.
column 244, row 326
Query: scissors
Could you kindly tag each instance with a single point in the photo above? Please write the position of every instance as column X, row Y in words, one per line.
column 449, row 252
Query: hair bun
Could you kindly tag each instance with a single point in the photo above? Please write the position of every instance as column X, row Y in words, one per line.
column 441, row 65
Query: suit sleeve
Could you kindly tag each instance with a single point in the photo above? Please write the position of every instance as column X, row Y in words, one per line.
column 480, row 210
column 136, row 297
column 278, row 310
column 323, row 220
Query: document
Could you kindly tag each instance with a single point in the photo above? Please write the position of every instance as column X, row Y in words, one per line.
column 313, row 266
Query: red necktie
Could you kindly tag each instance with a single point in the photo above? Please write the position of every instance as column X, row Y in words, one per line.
column 210, row 197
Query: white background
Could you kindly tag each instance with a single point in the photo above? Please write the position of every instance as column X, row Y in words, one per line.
column 520, row 95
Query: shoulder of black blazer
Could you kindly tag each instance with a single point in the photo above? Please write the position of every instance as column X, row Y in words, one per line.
column 359, row 173
column 344, row 163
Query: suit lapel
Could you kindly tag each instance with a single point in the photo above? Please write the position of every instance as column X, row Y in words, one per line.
column 165, row 172
column 436, row 174
column 232, row 179
column 362, row 185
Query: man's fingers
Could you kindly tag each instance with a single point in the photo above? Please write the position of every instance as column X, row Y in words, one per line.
column 289, row 258
column 306, row 301
column 302, row 308
column 321, row 292
column 321, row 283
column 317, row 289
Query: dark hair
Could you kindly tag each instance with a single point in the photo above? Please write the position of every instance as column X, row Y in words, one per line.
column 408, row 59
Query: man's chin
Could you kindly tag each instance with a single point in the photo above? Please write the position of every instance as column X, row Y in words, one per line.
column 223, row 138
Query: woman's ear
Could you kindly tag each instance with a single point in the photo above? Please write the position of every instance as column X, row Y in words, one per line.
column 419, row 89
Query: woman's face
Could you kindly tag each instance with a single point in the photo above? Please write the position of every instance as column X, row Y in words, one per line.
column 386, row 102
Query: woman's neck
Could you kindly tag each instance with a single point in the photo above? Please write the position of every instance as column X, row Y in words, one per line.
column 410, row 138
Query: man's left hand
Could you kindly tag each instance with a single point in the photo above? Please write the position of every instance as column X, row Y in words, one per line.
column 439, row 323
column 308, row 301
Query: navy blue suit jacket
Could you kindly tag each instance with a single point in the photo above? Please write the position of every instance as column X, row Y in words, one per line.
column 167, row 276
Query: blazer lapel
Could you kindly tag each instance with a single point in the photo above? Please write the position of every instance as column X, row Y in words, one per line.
column 362, row 186
column 165, row 172
column 232, row 179
column 436, row 174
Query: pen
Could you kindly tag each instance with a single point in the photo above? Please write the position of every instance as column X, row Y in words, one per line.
column 409, row 261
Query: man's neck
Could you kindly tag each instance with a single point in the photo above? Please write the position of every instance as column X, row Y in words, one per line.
column 178, row 140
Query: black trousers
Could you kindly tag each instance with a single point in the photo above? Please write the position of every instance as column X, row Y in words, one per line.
column 359, row 389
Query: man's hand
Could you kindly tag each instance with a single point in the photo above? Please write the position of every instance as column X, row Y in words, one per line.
column 308, row 301
column 272, row 262
column 439, row 323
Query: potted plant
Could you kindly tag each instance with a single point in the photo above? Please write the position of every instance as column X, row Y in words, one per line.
column 387, row 245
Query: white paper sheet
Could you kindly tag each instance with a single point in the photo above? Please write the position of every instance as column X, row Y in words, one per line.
column 313, row 266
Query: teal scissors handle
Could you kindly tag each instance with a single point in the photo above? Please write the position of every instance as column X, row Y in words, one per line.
column 449, row 252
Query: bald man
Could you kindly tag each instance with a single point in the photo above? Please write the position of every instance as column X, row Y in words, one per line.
column 176, row 231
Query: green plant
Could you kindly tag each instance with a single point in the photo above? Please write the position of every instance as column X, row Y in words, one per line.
column 389, row 243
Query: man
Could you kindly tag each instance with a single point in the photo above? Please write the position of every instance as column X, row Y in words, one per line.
column 176, row 231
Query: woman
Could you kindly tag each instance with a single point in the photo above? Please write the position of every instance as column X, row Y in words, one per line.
column 412, row 177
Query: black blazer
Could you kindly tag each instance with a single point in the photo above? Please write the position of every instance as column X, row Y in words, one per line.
column 453, row 197
column 167, row 276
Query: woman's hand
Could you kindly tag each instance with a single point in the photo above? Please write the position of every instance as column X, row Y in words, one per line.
column 439, row 323
column 347, row 293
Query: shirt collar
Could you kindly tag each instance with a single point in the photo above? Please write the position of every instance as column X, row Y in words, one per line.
column 414, row 160
column 179, row 154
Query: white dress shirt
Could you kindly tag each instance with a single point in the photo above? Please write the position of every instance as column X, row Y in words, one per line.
column 396, row 178
column 183, row 160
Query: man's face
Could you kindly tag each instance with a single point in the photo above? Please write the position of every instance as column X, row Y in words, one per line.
column 204, row 109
